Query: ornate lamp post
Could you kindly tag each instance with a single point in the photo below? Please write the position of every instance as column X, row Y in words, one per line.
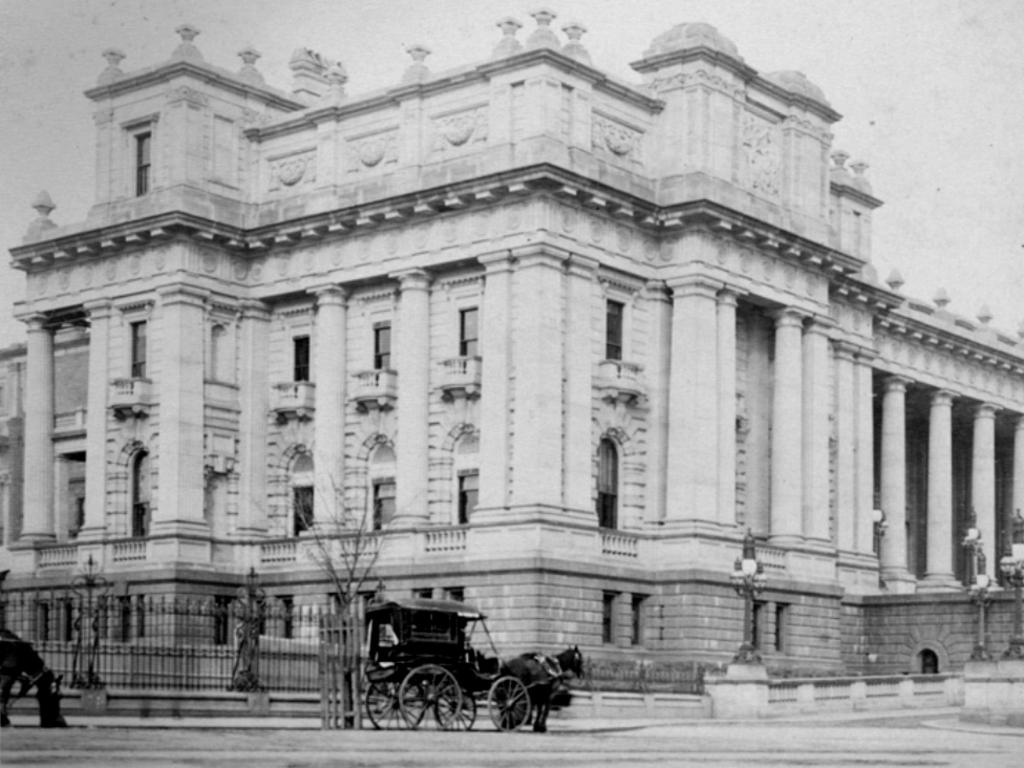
column 972, row 546
column 91, row 588
column 748, row 580
column 1012, row 566
column 980, row 596
column 878, row 526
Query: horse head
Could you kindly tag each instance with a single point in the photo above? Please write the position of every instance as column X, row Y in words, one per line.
column 571, row 662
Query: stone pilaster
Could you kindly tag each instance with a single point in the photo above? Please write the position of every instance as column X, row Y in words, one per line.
column 180, row 476
column 939, row 563
column 816, row 391
column 96, row 421
column 846, row 447
column 537, row 431
column 577, row 447
column 329, row 419
column 1018, row 464
column 727, row 300
column 983, row 479
column 38, row 520
column 693, row 401
column 894, row 486
column 252, row 425
column 865, row 457
column 787, row 429
column 660, row 313
column 494, row 384
column 412, row 361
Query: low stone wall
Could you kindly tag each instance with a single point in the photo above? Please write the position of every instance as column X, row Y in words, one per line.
column 624, row 705
column 994, row 692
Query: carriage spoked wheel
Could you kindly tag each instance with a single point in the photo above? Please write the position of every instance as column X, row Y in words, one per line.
column 508, row 702
column 382, row 705
column 430, row 690
column 466, row 715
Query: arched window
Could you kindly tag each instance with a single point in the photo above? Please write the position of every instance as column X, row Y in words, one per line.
column 467, row 477
column 607, row 485
column 382, row 486
column 140, row 509
column 302, row 493
column 929, row 661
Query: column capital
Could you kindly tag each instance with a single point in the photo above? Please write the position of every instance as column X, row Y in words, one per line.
column 943, row 398
column 788, row 317
column 98, row 309
column 844, row 350
column 330, row 294
column 37, row 321
column 414, row 279
column 539, row 253
column 820, row 324
column 896, row 384
column 985, row 411
column 729, row 296
column 694, row 285
column 254, row 309
column 496, row 261
column 182, row 293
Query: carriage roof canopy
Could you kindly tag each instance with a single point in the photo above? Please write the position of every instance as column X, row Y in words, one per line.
column 462, row 610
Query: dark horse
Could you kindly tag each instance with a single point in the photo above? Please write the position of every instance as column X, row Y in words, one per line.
column 544, row 677
column 20, row 663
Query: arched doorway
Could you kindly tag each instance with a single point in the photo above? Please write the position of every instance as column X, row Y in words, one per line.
column 928, row 662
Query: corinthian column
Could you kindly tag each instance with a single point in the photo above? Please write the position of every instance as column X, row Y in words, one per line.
column 329, row 421
column 1018, row 466
column 894, row 486
column 252, row 422
column 983, row 478
column 816, row 393
column 787, row 430
column 38, row 521
column 846, row 448
column 727, row 301
column 96, row 421
column 412, row 358
column 939, row 570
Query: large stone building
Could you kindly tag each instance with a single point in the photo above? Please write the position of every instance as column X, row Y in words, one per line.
column 563, row 338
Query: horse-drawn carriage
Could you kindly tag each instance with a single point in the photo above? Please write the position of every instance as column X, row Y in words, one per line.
column 423, row 669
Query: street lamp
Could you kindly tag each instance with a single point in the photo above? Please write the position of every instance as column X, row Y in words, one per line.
column 878, row 526
column 972, row 546
column 1012, row 566
column 748, row 580
column 980, row 596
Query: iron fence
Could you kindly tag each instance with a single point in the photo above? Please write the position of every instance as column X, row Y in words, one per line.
column 169, row 642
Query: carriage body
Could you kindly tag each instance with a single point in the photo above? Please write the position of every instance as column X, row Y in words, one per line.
column 423, row 665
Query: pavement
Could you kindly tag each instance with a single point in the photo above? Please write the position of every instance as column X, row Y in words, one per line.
column 945, row 718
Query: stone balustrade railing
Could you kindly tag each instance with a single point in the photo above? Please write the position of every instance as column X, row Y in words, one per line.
column 786, row 696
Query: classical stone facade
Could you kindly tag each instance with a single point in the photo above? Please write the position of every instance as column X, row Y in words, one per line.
column 562, row 338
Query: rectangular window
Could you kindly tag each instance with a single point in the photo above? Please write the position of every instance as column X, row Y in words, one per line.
column 382, row 346
column 608, row 617
column 425, row 593
column 780, row 626
column 140, row 519
column 613, row 330
column 143, row 150
column 221, row 619
column 383, row 503
column 300, row 358
column 139, row 349
column 302, row 505
column 458, row 594
column 469, row 490
column 469, row 341
column 637, row 616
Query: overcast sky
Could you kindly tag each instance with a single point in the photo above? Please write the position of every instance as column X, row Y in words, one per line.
column 930, row 90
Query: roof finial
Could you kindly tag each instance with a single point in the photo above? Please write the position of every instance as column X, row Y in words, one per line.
column 43, row 205
column 574, row 48
column 985, row 315
column 941, row 298
column 508, row 45
column 336, row 79
column 186, row 49
column 895, row 280
column 417, row 71
column 543, row 36
column 114, row 57
column 248, row 72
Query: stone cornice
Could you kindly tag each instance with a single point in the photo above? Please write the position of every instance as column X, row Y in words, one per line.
column 845, row 190
column 898, row 326
column 208, row 73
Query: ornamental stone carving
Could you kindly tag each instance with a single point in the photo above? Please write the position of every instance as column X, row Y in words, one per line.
column 373, row 150
column 763, row 155
column 612, row 136
column 290, row 170
column 458, row 129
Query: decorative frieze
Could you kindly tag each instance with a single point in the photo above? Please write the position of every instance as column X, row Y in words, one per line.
column 460, row 129
column 291, row 169
column 762, row 155
column 609, row 135
column 369, row 151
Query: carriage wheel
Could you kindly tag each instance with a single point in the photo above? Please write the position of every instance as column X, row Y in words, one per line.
column 382, row 705
column 466, row 715
column 430, row 690
column 508, row 702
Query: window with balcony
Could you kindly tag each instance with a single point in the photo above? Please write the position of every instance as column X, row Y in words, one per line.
column 382, row 346
column 300, row 358
column 469, row 335
column 138, row 349
column 143, row 165
column 613, row 330
column 302, row 493
column 140, row 487
column 607, row 484
column 469, row 491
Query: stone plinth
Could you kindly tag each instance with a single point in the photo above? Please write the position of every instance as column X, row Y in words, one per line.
column 994, row 692
column 741, row 693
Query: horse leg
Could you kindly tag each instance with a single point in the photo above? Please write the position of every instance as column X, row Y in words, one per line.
column 540, row 724
column 5, row 694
